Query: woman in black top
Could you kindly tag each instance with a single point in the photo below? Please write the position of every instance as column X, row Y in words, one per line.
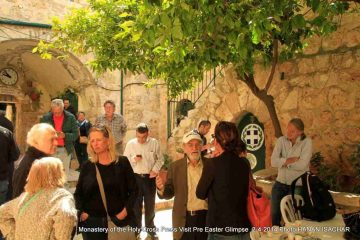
column 225, row 181
column 119, row 186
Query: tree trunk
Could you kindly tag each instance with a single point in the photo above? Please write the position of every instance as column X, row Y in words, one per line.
column 267, row 99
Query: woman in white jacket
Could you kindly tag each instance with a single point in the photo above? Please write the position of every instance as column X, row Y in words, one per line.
column 45, row 210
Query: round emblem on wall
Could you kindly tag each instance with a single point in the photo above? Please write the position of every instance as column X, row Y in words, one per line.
column 8, row 76
column 252, row 160
column 253, row 136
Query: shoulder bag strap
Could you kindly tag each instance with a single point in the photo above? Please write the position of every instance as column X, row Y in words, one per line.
column 101, row 187
column 32, row 198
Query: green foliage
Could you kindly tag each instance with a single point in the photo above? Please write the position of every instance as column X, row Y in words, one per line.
column 167, row 161
column 327, row 173
column 178, row 40
column 331, row 175
column 355, row 161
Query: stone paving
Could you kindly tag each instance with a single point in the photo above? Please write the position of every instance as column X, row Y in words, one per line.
column 162, row 222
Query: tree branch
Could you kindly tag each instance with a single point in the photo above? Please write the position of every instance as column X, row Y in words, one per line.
column 356, row 1
column 273, row 64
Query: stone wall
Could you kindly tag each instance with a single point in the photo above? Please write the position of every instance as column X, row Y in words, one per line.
column 322, row 87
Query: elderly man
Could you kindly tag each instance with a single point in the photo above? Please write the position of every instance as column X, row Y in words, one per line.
column 115, row 122
column 146, row 160
column 183, row 178
column 9, row 153
column 42, row 141
column 66, row 129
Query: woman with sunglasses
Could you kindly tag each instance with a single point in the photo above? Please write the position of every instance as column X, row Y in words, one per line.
column 119, row 187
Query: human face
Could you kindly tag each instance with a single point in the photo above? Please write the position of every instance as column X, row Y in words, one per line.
column 192, row 149
column 109, row 109
column 141, row 137
column 81, row 117
column 47, row 142
column 292, row 132
column 99, row 142
column 57, row 111
column 204, row 129
column 66, row 104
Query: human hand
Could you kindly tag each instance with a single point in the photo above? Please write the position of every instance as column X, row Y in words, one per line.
column 122, row 215
column 83, row 216
column 291, row 160
column 60, row 134
column 159, row 183
column 138, row 157
column 152, row 174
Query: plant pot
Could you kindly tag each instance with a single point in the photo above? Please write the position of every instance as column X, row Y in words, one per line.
column 34, row 96
column 163, row 175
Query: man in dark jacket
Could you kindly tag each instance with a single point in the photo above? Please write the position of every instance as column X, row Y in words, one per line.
column 9, row 153
column 6, row 123
column 42, row 141
column 66, row 129
column 81, row 143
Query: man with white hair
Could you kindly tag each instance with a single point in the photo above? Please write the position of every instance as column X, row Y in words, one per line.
column 66, row 130
column 183, row 178
column 42, row 141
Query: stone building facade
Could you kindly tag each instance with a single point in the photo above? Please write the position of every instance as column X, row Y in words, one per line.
column 322, row 87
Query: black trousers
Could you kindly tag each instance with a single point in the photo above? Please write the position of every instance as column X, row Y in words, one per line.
column 147, row 191
column 85, row 228
column 199, row 221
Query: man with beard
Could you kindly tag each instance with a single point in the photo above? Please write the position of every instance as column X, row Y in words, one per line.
column 42, row 141
column 183, row 178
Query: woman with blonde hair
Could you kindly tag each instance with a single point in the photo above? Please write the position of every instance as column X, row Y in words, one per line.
column 105, row 179
column 45, row 210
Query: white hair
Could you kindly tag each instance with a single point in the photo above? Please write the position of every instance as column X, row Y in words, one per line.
column 37, row 132
column 57, row 103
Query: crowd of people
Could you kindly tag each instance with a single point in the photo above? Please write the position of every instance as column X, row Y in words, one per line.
column 209, row 184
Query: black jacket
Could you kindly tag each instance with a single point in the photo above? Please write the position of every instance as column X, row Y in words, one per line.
column 9, row 152
column 225, row 181
column 6, row 123
column 119, row 185
column 22, row 171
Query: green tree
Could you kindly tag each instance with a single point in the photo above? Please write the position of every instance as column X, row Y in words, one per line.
column 177, row 40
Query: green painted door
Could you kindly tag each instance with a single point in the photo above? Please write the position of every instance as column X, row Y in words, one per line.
column 252, row 133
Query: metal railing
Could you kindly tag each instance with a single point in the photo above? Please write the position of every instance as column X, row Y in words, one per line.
column 175, row 106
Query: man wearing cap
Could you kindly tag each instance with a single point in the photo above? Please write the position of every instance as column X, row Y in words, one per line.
column 183, row 178
column 146, row 160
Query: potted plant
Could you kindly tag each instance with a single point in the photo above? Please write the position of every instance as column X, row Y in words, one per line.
column 164, row 169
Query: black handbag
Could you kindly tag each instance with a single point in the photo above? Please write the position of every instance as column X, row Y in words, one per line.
column 352, row 222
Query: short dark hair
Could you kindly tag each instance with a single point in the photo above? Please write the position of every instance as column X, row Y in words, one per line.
column 204, row 123
column 66, row 99
column 81, row 112
column 110, row 102
column 142, row 128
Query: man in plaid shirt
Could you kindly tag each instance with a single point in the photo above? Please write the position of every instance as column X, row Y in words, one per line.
column 115, row 122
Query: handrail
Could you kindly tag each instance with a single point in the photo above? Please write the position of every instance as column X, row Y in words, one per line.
column 193, row 96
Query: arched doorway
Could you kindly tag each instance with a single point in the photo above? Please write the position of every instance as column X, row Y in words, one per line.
column 252, row 133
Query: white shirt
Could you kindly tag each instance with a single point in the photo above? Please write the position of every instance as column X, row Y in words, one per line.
column 152, row 159
column 284, row 150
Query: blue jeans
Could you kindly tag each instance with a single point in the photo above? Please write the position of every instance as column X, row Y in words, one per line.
column 279, row 191
column 242, row 236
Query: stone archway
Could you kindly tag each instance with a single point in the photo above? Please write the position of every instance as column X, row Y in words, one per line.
column 37, row 81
